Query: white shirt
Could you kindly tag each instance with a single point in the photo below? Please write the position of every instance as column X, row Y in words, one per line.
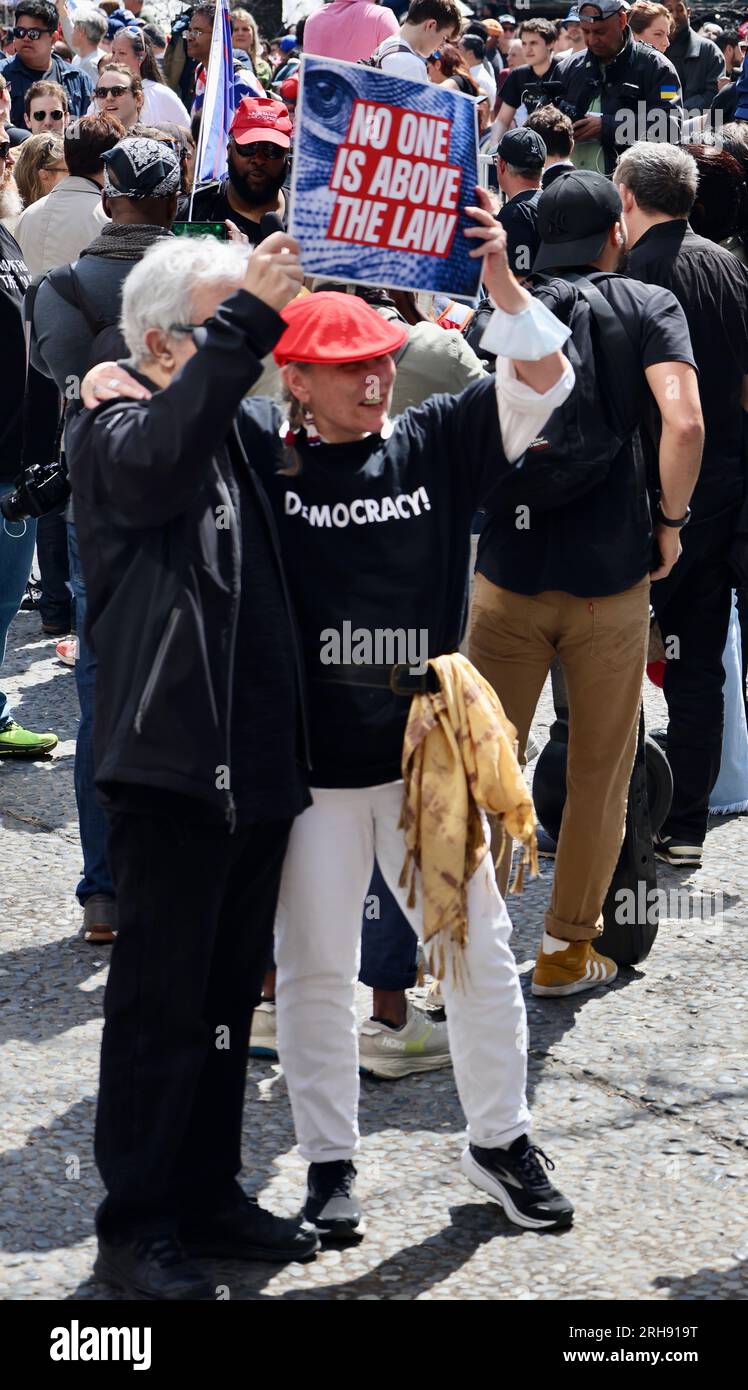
column 409, row 64
column 485, row 80
column 90, row 64
column 162, row 104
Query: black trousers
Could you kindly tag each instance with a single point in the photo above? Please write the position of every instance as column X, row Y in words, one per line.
column 55, row 602
column 693, row 606
column 196, row 909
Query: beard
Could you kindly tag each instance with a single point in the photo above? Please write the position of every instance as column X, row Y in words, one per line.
column 255, row 195
column 11, row 204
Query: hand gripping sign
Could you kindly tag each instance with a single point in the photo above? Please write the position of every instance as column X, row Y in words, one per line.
column 383, row 169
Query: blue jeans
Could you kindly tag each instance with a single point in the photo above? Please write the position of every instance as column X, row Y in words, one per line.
column 92, row 822
column 389, row 946
column 16, row 554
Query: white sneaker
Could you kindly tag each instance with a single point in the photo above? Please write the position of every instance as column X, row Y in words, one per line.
column 67, row 650
column 420, row 1045
column 263, row 1040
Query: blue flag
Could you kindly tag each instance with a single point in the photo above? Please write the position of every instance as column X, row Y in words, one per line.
column 215, row 97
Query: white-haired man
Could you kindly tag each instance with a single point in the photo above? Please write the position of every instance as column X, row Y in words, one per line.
column 196, row 738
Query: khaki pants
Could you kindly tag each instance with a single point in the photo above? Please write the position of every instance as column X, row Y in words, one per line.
column 602, row 644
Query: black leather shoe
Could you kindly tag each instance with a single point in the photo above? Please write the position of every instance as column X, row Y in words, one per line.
column 248, row 1232
column 331, row 1202
column 154, row 1267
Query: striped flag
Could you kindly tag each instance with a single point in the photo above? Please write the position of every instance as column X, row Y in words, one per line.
column 218, row 100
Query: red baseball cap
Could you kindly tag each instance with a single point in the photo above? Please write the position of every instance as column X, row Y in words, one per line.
column 330, row 328
column 261, row 118
column 289, row 89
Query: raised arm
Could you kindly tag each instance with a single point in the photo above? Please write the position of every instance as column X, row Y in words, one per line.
column 539, row 369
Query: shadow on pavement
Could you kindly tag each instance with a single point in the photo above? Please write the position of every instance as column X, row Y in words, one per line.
column 407, row 1273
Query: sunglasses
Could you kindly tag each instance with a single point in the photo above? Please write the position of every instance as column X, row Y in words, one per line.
column 4, row 150
column 102, row 92
column 42, row 115
column 264, row 148
column 19, row 33
column 434, row 57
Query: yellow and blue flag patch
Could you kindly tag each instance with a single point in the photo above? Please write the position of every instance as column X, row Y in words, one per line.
column 668, row 92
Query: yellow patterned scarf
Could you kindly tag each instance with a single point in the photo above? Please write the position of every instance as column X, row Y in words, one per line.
column 458, row 759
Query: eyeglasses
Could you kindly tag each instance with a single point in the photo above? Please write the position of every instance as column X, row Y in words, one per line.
column 262, row 148
column 42, row 115
column 195, row 33
column 4, row 151
column 102, row 92
column 185, row 330
column 19, row 33
column 55, row 168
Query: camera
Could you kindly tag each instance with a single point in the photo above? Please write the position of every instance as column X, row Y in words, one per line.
column 40, row 489
column 549, row 94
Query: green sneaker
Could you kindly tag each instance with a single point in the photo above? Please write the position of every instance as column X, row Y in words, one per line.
column 16, row 742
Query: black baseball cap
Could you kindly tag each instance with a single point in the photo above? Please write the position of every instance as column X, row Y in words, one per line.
column 523, row 149
column 574, row 217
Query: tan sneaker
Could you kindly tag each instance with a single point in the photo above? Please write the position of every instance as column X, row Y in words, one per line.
column 568, row 967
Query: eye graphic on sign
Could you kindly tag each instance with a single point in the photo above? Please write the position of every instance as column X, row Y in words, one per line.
column 329, row 98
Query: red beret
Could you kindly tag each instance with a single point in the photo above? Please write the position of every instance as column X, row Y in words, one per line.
column 330, row 327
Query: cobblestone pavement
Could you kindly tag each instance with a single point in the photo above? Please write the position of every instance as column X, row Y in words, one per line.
column 638, row 1092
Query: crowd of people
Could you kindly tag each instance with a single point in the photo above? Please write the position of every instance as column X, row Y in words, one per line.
column 251, row 497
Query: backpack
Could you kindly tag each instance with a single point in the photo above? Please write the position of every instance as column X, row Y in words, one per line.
column 107, row 343
column 585, row 434
column 377, row 57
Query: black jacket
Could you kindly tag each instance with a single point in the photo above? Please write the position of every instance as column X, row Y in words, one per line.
column 156, row 507
column 639, row 77
column 699, row 66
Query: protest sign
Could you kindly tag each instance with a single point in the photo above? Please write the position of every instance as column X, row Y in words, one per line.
column 383, row 169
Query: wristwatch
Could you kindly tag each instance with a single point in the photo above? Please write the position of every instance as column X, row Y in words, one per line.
column 675, row 522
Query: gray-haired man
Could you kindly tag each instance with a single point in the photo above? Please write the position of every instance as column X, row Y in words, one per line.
column 196, row 748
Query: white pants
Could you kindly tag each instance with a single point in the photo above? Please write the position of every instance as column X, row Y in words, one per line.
column 318, row 944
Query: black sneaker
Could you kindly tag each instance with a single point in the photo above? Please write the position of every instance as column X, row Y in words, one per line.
column 331, row 1203
column 154, row 1267
column 679, row 855
column 246, row 1231
column 515, row 1178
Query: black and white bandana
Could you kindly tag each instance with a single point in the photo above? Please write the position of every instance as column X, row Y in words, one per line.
column 140, row 168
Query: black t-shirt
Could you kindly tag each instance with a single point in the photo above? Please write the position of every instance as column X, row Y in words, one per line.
column 712, row 287
column 519, row 218
column 14, row 277
column 600, row 543
column 211, row 204
column 524, row 76
column 375, row 538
